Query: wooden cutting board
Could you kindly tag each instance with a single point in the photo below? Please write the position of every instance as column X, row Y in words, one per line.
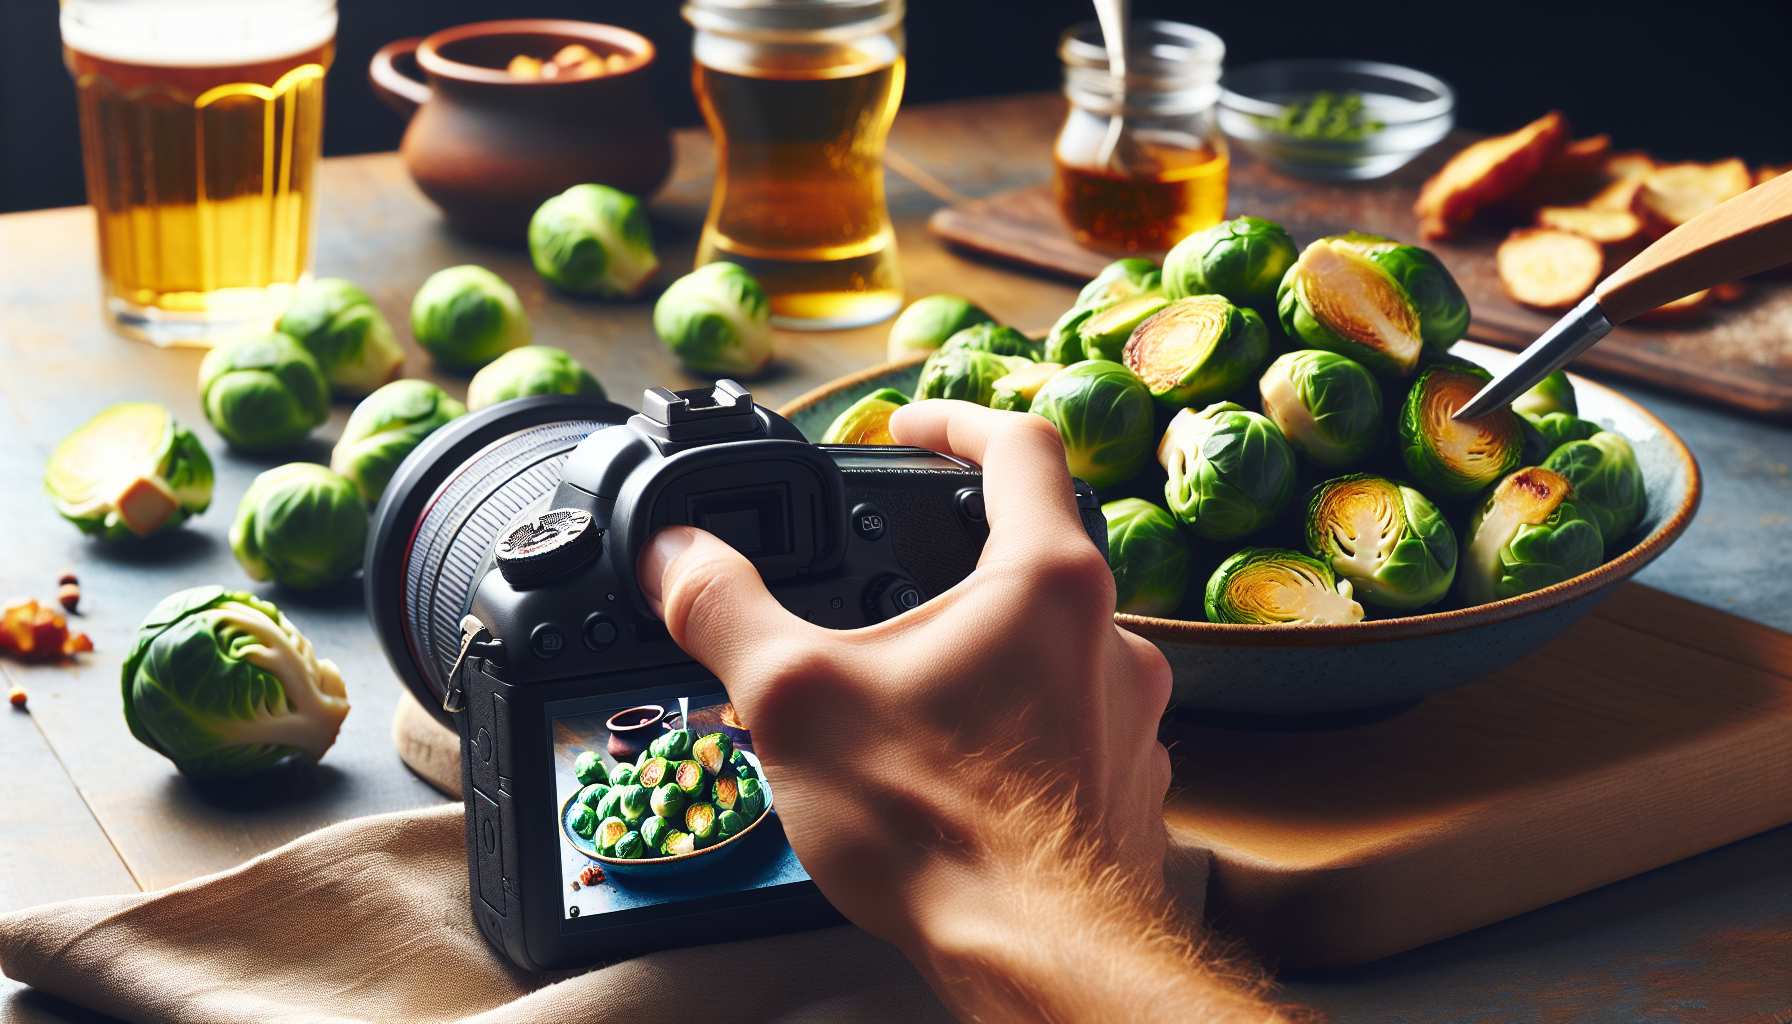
column 1738, row 354
column 1654, row 729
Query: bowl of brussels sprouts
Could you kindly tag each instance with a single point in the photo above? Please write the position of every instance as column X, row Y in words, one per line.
column 1294, row 518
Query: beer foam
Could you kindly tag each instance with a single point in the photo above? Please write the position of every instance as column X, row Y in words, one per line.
column 196, row 33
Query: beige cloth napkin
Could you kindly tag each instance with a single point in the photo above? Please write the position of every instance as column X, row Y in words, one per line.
column 367, row 920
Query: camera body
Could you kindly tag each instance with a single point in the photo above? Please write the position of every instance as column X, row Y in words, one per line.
column 557, row 644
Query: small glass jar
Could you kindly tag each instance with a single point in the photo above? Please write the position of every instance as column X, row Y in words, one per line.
column 1138, row 168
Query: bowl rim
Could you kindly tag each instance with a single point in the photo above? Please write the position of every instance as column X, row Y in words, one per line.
column 639, row 49
column 1342, row 634
column 1444, row 105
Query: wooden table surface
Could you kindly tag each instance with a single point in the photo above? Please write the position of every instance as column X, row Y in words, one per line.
column 85, row 810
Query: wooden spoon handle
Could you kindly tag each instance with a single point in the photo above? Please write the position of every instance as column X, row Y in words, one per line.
column 1746, row 235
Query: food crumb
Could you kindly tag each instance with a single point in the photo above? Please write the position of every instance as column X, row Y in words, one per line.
column 17, row 697
column 68, row 591
column 591, row 875
column 575, row 886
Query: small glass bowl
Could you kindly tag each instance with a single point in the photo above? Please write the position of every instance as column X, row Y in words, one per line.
column 1416, row 109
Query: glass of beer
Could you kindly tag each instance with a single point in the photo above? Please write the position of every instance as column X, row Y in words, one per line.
column 200, row 127
column 799, row 95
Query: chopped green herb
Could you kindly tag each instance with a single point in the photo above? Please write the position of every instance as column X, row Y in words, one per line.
column 1326, row 116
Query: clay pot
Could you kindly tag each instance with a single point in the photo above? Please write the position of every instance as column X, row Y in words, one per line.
column 488, row 147
column 632, row 731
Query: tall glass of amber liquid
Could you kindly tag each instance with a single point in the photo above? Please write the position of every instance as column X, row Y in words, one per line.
column 200, row 127
column 1141, row 163
column 799, row 95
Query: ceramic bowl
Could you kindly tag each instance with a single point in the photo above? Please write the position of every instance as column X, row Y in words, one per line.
column 1303, row 670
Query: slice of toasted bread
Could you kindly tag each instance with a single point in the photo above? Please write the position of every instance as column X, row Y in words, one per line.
column 1629, row 165
column 1677, row 193
column 1565, row 178
column 1548, row 269
column 1485, row 173
column 1607, row 227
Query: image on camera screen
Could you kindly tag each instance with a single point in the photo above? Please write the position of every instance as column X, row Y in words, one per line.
column 661, row 799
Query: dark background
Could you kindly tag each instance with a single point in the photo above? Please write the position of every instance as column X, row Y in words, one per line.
column 1697, row 81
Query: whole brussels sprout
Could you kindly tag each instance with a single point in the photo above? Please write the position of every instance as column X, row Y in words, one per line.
column 607, row 834
column 963, row 373
column 467, row 316
column 588, row 768
column 1275, row 587
column 593, row 240
column 673, row 745
column 606, row 805
column 717, row 319
column 623, row 774
column 752, row 800
column 1545, row 433
column 1015, row 390
column 1338, row 300
column 1149, row 557
column 1327, row 406
column 633, row 804
column 1243, row 260
column 729, row 825
column 667, row 801
column 583, row 821
column 387, row 426
column 629, row 847
column 1608, row 483
column 263, row 393
column 1442, row 308
column 1104, row 417
column 691, row 780
column 1105, row 333
column 530, row 370
column 1064, row 343
column 927, row 323
column 300, row 525
column 866, row 421
column 741, row 766
column 1390, row 542
column 700, row 822
column 1197, row 350
column 593, row 795
column 654, row 831
column 346, row 333
column 1456, row 458
column 725, row 794
column 677, row 844
column 713, row 752
column 995, row 339
column 1527, row 535
column 1554, row 393
column 222, row 684
column 1231, row 472
column 654, row 770
column 129, row 470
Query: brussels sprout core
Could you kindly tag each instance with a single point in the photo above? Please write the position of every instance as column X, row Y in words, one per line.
column 1197, row 350
column 129, row 470
column 1340, row 301
column 608, row 832
column 1389, row 542
column 1016, row 390
column 1326, row 405
column 700, row 821
column 1526, row 536
column 726, row 792
column 653, row 772
column 690, row 779
column 1456, row 458
column 678, row 844
column 1270, row 586
column 866, row 421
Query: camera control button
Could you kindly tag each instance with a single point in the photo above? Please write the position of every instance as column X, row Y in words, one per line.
column 545, row 547
column 868, row 522
column 482, row 746
column 891, row 596
column 547, row 641
column 600, row 631
column 970, row 504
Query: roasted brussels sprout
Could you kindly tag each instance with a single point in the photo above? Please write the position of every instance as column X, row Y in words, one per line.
column 629, row 847
column 866, row 421
column 1608, row 483
column 623, row 774
column 588, row 768
column 677, row 844
column 593, row 240
column 1527, row 535
column 654, row 831
column 691, row 780
column 667, row 801
column 467, row 316
column 742, row 767
column 1149, row 556
column 129, row 470
column 1104, row 334
column 633, row 804
column 700, row 822
column 530, row 370
column 1015, row 390
column 673, row 745
column 654, row 771
column 345, row 332
column 994, row 339
column 1555, row 393
column 300, row 525
column 607, row 834
column 717, row 319
column 263, row 393
column 729, row 825
column 1339, row 300
column 1390, row 542
column 927, row 323
column 752, row 800
column 583, row 822
column 713, row 752
column 1442, row 308
column 726, row 792
column 964, row 374
column 1456, row 458
column 1271, row 587
column 1231, row 472
column 1197, row 350
column 1243, row 260
column 385, row 428
column 1545, row 433
column 1326, row 405
column 593, row 795
column 222, row 684
column 1105, row 418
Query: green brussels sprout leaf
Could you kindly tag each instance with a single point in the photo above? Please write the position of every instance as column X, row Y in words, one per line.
column 1274, row 587
column 964, row 374
column 1608, row 483
column 582, row 821
column 593, row 240
column 1243, row 260
column 607, row 834
column 346, row 333
column 629, row 847
column 1554, row 393
column 131, row 470
column 263, row 393
column 752, row 799
column 1104, row 415
column 668, row 801
column 1545, row 433
column 729, row 825
column 1326, row 405
column 1230, row 471
column 995, row 339
column 1118, row 280
column 300, row 525
column 623, row 774
column 713, row 752
column 387, row 426
column 654, row 832
column 633, row 804
column 1389, row 542
column 673, row 745
column 588, row 768
column 1197, row 350
column 1015, row 390
column 1149, row 557
column 530, row 370
column 593, row 795
column 927, row 323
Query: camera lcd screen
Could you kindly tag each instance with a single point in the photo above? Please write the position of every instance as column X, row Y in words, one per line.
column 661, row 799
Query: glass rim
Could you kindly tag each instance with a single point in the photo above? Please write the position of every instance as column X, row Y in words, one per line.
column 794, row 21
column 184, row 33
column 1081, row 47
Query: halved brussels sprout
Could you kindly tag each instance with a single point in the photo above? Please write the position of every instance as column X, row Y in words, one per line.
column 607, row 834
column 752, row 799
column 1390, row 542
column 1527, row 535
column 583, row 822
column 387, row 426
column 1456, row 458
column 691, row 780
column 467, row 316
column 1243, row 260
column 1545, row 433
column 726, row 792
column 654, row 771
column 1118, row 280
column 677, row 844
column 673, row 745
column 629, row 847
column 1555, row 393
column 1105, row 418
column 593, row 795
column 530, row 370
column 263, row 393
column 700, row 822
column 1063, row 344
column 1442, row 308
column 1272, row 587
column 866, row 421
column 301, row 525
column 1197, row 350
column 1608, row 483
column 588, row 768
column 593, row 240
column 1105, row 333
column 927, row 323
column 1016, row 390
column 633, row 804
column 1326, row 405
column 1149, row 557
column 668, row 801
column 741, row 766
column 995, row 339
column 345, row 332
column 717, row 319
column 713, row 752
column 654, row 831
column 129, row 470
column 1231, row 472
column 1338, row 300
column 623, row 774
column 729, row 825
column 965, row 374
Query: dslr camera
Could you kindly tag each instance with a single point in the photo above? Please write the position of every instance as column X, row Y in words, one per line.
column 614, row 803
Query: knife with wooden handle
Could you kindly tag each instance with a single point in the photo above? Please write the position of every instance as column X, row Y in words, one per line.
column 1746, row 235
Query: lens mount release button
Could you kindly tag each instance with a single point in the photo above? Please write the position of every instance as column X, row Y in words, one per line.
column 542, row 548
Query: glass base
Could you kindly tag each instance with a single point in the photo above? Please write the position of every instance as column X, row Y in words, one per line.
column 833, row 311
column 207, row 328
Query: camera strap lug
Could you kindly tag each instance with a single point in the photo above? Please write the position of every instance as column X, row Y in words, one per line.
column 472, row 631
